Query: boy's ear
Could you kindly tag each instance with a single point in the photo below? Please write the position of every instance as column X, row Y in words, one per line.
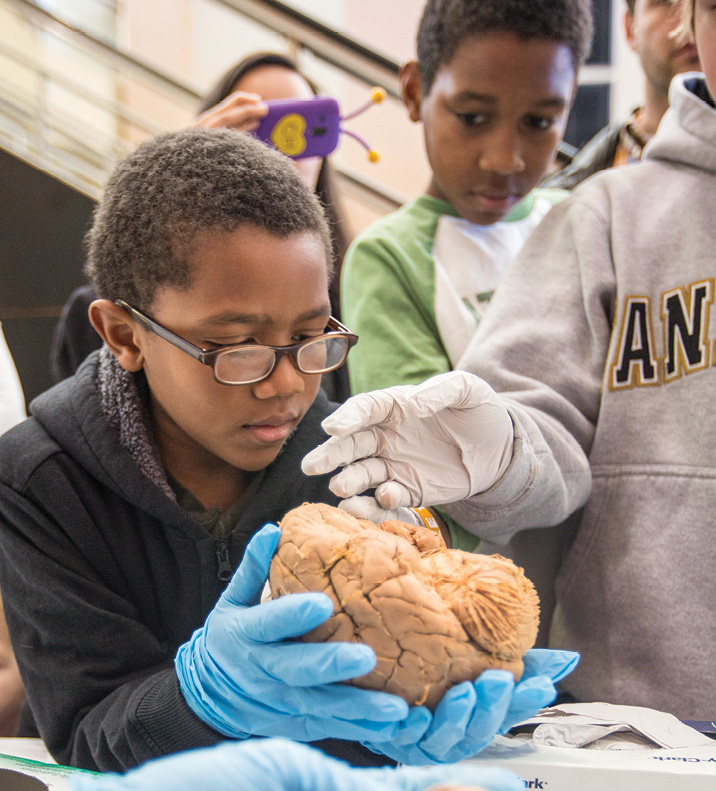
column 629, row 28
column 119, row 331
column 411, row 89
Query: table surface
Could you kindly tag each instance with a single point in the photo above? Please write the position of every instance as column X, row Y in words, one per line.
column 32, row 749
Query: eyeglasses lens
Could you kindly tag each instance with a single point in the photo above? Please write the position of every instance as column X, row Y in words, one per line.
column 322, row 355
column 243, row 366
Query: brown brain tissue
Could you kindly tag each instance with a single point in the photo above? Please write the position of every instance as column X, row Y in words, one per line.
column 434, row 616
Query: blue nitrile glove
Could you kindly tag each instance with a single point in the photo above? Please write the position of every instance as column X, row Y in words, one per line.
column 281, row 765
column 243, row 674
column 470, row 714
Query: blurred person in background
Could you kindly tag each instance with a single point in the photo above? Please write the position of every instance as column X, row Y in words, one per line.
column 235, row 102
column 12, row 692
column 12, row 411
column 12, row 400
column 650, row 27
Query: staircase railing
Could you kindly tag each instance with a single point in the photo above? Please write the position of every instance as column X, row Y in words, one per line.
column 49, row 136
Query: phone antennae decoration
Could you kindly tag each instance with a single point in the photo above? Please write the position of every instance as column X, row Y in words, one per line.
column 312, row 127
column 377, row 95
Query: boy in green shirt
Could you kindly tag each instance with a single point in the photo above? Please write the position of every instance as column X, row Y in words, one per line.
column 493, row 85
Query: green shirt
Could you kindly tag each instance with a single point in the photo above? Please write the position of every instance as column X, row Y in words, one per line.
column 415, row 284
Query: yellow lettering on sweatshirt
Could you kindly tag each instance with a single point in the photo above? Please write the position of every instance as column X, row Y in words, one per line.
column 685, row 313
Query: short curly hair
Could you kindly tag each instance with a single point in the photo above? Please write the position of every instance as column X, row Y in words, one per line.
column 445, row 24
column 178, row 186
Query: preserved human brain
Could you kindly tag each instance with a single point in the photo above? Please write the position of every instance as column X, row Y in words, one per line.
column 434, row 616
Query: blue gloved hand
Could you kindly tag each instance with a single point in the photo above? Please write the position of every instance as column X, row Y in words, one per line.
column 243, row 674
column 470, row 714
column 280, row 765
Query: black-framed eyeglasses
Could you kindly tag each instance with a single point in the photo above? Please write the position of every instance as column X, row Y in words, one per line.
column 247, row 364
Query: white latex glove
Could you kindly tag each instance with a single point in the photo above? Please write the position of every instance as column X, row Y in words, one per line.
column 437, row 442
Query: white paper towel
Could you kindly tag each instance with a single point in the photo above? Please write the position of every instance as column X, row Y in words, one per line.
column 604, row 726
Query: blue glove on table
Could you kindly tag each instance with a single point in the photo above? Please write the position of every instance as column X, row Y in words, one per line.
column 280, row 765
column 470, row 715
column 243, row 674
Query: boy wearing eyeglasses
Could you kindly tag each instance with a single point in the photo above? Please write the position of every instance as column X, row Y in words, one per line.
column 136, row 489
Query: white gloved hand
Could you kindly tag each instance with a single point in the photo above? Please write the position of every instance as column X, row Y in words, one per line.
column 437, row 442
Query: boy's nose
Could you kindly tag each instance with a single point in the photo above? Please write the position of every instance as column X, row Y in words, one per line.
column 502, row 153
column 285, row 380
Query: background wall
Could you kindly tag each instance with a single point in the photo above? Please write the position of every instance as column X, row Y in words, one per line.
column 42, row 226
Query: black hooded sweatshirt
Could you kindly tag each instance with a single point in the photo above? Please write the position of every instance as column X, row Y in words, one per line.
column 103, row 576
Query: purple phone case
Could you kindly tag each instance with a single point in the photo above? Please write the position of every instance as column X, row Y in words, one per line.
column 301, row 127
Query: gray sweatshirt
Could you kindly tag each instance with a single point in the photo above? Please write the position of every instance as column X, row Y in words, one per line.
column 602, row 340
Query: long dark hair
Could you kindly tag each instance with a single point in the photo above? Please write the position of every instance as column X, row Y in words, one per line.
column 326, row 187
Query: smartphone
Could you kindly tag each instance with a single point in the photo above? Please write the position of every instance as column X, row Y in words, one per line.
column 301, row 127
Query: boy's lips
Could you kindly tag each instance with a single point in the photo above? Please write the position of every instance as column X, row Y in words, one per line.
column 495, row 201
column 275, row 428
